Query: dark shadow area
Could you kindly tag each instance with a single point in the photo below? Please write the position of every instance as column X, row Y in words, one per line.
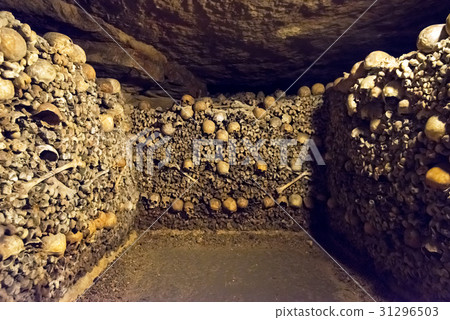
column 357, row 263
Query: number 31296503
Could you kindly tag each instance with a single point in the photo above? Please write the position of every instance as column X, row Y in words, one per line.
column 409, row 311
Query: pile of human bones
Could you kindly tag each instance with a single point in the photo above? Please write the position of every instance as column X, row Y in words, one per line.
column 65, row 196
column 70, row 185
column 232, row 160
column 389, row 180
column 74, row 162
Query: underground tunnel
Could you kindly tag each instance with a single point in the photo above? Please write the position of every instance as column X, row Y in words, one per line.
column 224, row 151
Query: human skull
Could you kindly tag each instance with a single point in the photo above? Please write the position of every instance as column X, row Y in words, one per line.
column 219, row 117
column 165, row 201
column 154, row 200
column 188, row 165
column 187, row 100
column 208, row 101
column 189, row 208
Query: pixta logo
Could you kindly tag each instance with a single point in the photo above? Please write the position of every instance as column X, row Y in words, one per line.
column 143, row 146
column 307, row 152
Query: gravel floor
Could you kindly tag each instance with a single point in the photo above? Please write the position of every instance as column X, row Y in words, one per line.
column 225, row 266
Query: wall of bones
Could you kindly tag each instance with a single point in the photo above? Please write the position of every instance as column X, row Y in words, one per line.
column 66, row 197
column 71, row 178
column 390, row 177
column 227, row 166
column 81, row 165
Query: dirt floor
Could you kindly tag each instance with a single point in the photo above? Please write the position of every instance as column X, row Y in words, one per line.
column 170, row 265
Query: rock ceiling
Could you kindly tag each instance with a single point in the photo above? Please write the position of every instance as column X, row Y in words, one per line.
column 231, row 45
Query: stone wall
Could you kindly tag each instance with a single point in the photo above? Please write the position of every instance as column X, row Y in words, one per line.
column 265, row 44
column 66, row 197
column 388, row 148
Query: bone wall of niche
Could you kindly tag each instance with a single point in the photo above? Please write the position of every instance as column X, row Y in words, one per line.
column 67, row 197
column 70, row 196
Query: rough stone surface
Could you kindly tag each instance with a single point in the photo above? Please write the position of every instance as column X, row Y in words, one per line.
column 237, row 44
column 106, row 55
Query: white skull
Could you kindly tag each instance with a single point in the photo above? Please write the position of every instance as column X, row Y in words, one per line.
column 165, row 202
column 154, row 200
